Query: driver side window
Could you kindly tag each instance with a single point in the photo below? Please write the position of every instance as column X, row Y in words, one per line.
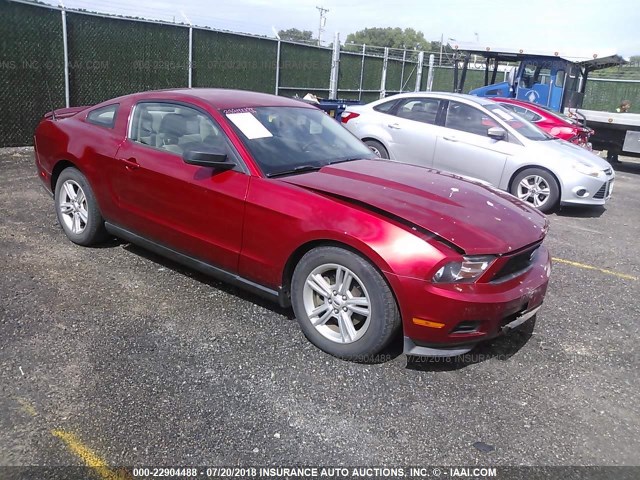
column 468, row 119
column 174, row 128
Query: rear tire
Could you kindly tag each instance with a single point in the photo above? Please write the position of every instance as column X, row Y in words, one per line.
column 377, row 148
column 538, row 188
column 343, row 304
column 77, row 209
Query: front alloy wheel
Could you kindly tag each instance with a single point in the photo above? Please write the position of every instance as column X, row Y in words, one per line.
column 538, row 188
column 343, row 303
column 337, row 303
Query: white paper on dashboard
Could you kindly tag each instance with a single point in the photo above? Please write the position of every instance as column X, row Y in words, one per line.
column 249, row 125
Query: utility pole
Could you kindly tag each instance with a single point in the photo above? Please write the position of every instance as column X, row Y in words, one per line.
column 323, row 21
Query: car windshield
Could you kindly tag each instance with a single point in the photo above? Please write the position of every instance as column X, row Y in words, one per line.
column 288, row 140
column 519, row 124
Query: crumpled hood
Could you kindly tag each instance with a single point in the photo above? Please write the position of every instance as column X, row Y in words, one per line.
column 477, row 218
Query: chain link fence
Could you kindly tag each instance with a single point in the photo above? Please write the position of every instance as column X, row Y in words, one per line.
column 232, row 61
column 108, row 56
column 32, row 69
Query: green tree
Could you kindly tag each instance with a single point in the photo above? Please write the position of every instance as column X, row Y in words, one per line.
column 295, row 35
column 408, row 38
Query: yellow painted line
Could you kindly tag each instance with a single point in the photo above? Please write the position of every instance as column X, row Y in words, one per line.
column 90, row 458
column 26, row 407
column 590, row 267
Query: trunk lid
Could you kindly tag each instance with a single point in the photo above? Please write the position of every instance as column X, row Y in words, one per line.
column 61, row 113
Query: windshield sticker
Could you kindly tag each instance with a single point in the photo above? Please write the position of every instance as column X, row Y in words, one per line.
column 239, row 110
column 502, row 114
column 249, row 125
column 315, row 128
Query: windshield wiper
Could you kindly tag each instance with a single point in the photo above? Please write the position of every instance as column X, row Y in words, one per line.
column 350, row 159
column 298, row 169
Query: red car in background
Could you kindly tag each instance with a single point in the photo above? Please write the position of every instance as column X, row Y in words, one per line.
column 553, row 123
column 273, row 195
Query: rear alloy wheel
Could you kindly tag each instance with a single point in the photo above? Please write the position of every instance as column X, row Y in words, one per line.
column 343, row 304
column 377, row 148
column 538, row 188
column 77, row 209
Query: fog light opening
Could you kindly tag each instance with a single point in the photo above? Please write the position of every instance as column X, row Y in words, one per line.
column 581, row 192
column 467, row 327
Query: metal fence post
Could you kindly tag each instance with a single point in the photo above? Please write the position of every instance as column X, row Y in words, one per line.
column 419, row 71
column 383, row 80
column 432, row 59
column 65, row 49
column 404, row 58
column 190, row 64
column 364, row 48
column 335, row 63
column 278, row 66
column 190, row 56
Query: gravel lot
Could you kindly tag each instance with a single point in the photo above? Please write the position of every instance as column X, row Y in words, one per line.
column 148, row 363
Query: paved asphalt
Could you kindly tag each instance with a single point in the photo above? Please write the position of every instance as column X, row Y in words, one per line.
column 147, row 363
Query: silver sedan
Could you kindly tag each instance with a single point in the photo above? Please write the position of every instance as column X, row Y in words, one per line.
column 476, row 137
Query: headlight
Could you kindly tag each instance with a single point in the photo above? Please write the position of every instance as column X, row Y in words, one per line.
column 586, row 169
column 466, row 271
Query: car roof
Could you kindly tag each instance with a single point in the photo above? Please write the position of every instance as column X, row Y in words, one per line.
column 516, row 101
column 534, row 107
column 444, row 95
column 219, row 98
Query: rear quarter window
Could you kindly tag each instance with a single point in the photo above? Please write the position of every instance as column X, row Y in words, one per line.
column 104, row 116
column 385, row 107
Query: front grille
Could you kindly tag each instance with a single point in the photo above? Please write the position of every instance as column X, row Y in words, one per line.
column 518, row 263
column 604, row 190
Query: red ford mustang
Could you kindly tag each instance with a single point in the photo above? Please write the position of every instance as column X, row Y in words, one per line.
column 273, row 195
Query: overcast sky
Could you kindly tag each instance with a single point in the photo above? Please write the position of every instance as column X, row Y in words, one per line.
column 557, row 25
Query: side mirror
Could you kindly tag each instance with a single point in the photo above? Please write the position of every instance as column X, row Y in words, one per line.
column 204, row 157
column 497, row 133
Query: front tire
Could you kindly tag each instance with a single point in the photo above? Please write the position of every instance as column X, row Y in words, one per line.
column 377, row 148
column 538, row 188
column 343, row 304
column 612, row 155
column 77, row 209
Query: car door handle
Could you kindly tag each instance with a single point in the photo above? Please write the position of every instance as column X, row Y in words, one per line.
column 130, row 163
column 395, row 126
column 450, row 139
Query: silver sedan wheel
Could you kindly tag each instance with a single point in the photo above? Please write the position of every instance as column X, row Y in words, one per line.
column 375, row 150
column 534, row 189
column 337, row 303
column 73, row 207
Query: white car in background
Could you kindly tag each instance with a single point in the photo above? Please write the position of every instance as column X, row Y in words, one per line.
column 476, row 137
